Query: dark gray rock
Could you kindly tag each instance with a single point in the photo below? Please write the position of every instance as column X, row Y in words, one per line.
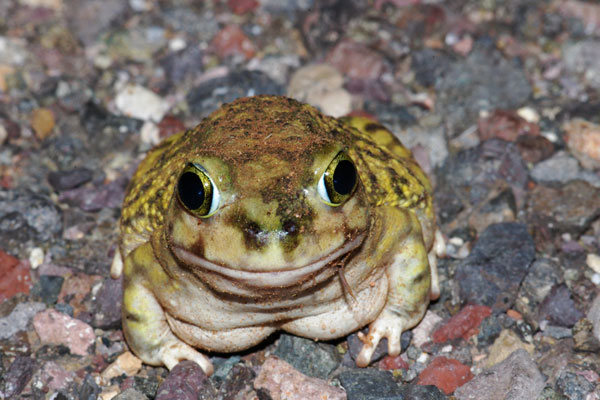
column 110, row 195
column 64, row 308
column 307, row 356
column 183, row 65
column 370, row 384
column 499, row 261
column 27, row 217
column 517, row 377
column 89, row 389
column 63, row 180
column 186, row 382
column 146, row 385
column 422, row 392
column 430, row 66
column 467, row 178
column 557, row 332
column 489, row 330
column 543, row 274
column 240, row 379
column 107, row 304
column 47, row 288
column 574, row 386
column 485, row 80
column 210, row 95
column 558, row 308
column 18, row 375
column 222, row 366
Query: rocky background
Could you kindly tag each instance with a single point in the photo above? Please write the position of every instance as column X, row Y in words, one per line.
column 498, row 99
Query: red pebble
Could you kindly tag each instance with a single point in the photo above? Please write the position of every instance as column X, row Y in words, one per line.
column 170, row 125
column 356, row 60
column 445, row 373
column 14, row 276
column 230, row 41
column 464, row 324
column 241, row 7
column 391, row 362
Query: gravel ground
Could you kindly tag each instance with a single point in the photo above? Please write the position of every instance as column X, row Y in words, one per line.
column 498, row 99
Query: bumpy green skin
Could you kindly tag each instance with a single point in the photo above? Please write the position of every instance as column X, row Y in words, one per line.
column 274, row 255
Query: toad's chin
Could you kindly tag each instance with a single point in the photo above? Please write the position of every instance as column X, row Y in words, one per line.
column 269, row 279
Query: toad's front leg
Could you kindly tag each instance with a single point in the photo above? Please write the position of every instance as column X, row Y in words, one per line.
column 408, row 295
column 144, row 321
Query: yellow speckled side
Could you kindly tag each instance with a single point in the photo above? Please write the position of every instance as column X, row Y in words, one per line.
column 389, row 172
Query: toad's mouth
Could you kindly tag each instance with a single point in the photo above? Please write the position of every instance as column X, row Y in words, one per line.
column 280, row 278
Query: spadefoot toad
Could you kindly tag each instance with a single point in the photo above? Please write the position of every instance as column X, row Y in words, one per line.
column 270, row 215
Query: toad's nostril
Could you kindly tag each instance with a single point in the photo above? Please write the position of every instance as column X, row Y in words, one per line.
column 290, row 227
column 254, row 236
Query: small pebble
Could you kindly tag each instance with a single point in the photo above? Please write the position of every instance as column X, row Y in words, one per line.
column 593, row 261
column 311, row 358
column 56, row 377
column 18, row 375
column 69, row 179
column 559, row 308
column 56, row 328
column 355, row 60
column 126, row 363
column 283, row 382
column 369, row 383
column 517, row 377
column 232, row 41
column 593, row 316
column 446, row 374
column 36, row 257
column 506, row 343
column 186, row 381
column 139, row 102
column 42, row 122
column 464, row 324
column 583, row 138
column 16, row 276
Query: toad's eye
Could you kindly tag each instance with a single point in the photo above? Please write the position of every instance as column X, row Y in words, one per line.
column 197, row 192
column 338, row 181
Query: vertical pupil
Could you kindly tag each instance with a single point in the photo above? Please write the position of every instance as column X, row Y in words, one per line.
column 191, row 190
column 344, row 177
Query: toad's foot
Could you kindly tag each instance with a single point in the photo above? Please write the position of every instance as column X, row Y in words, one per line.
column 174, row 351
column 387, row 325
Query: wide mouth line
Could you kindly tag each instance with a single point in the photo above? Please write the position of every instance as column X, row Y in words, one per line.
column 269, row 278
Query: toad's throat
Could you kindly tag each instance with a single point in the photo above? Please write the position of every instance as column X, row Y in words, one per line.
column 281, row 278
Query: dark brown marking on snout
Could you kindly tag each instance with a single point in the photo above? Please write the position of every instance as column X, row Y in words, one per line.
column 197, row 247
column 254, row 237
column 290, row 238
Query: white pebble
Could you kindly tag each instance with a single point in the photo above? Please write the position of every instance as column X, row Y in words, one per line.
column 423, row 357
column 177, row 43
column 529, row 114
column 593, row 261
column 138, row 102
column 446, row 349
column 36, row 257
